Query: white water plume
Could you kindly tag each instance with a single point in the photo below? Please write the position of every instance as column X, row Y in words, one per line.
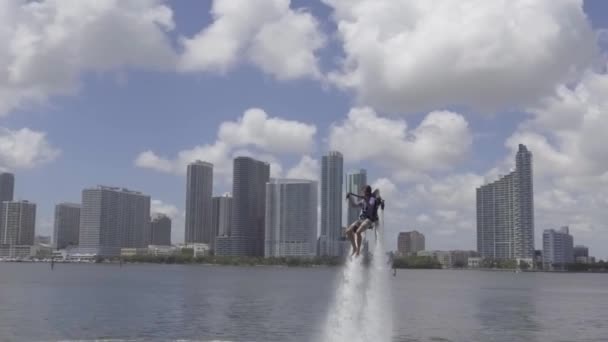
column 361, row 310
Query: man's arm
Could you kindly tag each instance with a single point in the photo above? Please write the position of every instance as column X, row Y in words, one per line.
column 354, row 195
column 353, row 200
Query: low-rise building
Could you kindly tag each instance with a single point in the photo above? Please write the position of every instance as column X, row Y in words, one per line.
column 162, row 250
column 129, row 252
column 199, row 249
column 474, row 262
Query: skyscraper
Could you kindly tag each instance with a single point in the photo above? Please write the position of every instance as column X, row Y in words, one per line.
column 248, row 209
column 581, row 251
column 331, row 204
column 524, row 227
column 558, row 249
column 199, row 189
column 291, row 218
column 18, row 223
column 7, row 186
column 410, row 242
column 222, row 216
column 355, row 181
column 67, row 225
column 160, row 230
column 505, row 213
column 113, row 218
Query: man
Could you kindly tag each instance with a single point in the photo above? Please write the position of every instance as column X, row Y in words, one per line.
column 367, row 202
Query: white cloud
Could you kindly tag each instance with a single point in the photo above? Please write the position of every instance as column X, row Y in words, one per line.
column 160, row 207
column 437, row 207
column 441, row 140
column 216, row 154
column 275, row 135
column 177, row 216
column 268, row 33
column 24, row 149
column 566, row 135
column 307, row 168
column 267, row 135
column 47, row 45
column 149, row 159
column 416, row 55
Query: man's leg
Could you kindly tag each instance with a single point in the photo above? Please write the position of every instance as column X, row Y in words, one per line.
column 362, row 228
column 350, row 233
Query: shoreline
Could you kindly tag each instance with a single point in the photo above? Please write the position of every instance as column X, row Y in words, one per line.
column 280, row 265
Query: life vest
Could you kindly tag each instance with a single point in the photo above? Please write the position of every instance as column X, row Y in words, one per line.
column 378, row 203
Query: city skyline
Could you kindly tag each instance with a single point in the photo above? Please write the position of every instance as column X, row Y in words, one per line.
column 427, row 129
column 286, row 219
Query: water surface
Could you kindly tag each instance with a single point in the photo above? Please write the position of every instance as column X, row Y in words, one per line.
column 205, row 303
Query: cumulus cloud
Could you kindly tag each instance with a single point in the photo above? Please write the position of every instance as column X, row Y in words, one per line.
column 442, row 139
column 307, row 168
column 414, row 55
column 47, row 45
column 160, row 207
column 24, row 149
column 177, row 216
column 77, row 37
column 267, row 33
column 276, row 135
column 255, row 135
column 566, row 136
column 437, row 207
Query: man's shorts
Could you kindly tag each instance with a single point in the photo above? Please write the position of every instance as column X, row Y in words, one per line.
column 361, row 225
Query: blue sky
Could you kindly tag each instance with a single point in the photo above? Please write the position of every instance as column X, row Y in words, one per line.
column 475, row 93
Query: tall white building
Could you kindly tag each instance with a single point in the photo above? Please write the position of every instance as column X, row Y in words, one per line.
column 18, row 223
column 113, row 218
column 355, row 181
column 558, row 247
column 66, row 229
column 505, row 213
column 291, row 218
column 332, row 175
column 199, row 189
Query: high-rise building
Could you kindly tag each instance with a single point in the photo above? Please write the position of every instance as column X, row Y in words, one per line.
column 248, row 209
column 558, row 249
column 524, row 227
column 160, row 230
column 291, row 218
column 18, row 223
column 505, row 213
column 355, row 181
column 409, row 243
column 331, row 239
column 581, row 254
column 221, row 216
column 66, row 230
column 199, row 189
column 7, row 186
column 113, row 218
column 581, row 251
